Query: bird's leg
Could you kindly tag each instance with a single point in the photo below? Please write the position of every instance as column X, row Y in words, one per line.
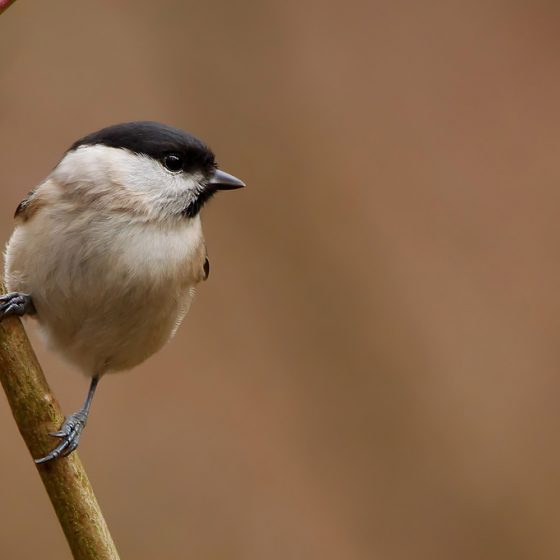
column 72, row 428
column 15, row 303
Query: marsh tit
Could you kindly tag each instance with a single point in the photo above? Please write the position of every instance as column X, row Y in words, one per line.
column 108, row 249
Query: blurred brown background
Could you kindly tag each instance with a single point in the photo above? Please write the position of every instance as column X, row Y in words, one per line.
column 373, row 368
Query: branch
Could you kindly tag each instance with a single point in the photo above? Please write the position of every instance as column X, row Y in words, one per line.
column 37, row 413
column 5, row 4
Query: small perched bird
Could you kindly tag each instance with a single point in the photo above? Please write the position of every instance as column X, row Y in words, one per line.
column 108, row 249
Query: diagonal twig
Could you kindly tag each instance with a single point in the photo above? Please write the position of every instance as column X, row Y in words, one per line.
column 37, row 413
column 5, row 4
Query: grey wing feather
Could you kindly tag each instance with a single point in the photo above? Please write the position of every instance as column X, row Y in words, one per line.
column 23, row 209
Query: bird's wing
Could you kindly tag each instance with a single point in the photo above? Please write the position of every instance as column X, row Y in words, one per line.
column 28, row 206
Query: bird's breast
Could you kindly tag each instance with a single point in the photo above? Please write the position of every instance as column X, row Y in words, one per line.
column 112, row 291
column 173, row 254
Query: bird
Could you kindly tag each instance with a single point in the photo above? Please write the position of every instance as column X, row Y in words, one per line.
column 107, row 251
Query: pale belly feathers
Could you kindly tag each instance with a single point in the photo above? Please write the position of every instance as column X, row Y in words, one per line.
column 107, row 295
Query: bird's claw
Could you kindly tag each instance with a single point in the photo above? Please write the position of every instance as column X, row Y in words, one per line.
column 69, row 433
column 15, row 303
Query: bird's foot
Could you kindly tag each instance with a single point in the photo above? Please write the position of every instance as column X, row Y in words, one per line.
column 15, row 303
column 69, row 434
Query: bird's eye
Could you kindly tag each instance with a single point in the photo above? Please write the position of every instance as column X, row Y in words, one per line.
column 173, row 162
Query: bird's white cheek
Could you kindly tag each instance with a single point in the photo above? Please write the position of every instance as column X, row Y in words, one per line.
column 145, row 176
column 113, row 177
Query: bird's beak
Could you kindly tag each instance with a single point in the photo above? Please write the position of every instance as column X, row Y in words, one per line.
column 223, row 181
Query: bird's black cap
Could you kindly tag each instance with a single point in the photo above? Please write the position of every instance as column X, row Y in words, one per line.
column 155, row 140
